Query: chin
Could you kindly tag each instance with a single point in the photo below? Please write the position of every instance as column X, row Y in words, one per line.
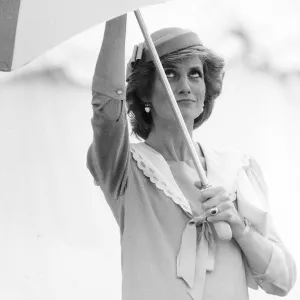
column 190, row 113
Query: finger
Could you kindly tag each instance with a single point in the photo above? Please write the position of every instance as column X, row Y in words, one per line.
column 213, row 191
column 200, row 185
column 223, row 206
column 215, row 201
column 227, row 215
column 221, row 216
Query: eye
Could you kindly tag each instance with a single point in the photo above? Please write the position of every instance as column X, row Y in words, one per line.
column 169, row 73
column 196, row 74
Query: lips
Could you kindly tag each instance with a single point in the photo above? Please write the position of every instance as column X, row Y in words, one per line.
column 186, row 100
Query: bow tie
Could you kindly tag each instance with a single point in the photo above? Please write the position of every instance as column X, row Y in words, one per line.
column 196, row 255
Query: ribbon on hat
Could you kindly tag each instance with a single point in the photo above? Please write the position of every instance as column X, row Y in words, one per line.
column 136, row 56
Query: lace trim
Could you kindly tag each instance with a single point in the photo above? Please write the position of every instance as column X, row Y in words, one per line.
column 159, row 182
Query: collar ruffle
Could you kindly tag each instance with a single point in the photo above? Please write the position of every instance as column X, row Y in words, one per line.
column 236, row 172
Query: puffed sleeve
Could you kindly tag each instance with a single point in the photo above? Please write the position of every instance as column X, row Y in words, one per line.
column 252, row 197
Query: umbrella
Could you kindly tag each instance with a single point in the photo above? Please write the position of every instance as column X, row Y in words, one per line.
column 27, row 29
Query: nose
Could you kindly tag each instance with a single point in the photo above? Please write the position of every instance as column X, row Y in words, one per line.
column 184, row 86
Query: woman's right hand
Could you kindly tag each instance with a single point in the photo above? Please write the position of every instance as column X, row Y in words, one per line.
column 117, row 19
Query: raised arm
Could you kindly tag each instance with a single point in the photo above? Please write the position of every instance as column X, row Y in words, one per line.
column 108, row 155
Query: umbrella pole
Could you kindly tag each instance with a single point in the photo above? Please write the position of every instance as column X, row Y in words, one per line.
column 172, row 100
column 223, row 228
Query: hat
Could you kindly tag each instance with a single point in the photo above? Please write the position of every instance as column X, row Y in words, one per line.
column 166, row 40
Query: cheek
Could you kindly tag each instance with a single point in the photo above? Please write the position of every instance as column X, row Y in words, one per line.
column 200, row 91
column 160, row 97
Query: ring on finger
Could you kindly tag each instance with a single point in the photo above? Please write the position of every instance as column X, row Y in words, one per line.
column 214, row 211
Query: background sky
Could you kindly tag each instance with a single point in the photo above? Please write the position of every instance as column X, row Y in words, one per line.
column 58, row 236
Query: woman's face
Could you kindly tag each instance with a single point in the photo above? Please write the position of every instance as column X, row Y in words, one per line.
column 186, row 78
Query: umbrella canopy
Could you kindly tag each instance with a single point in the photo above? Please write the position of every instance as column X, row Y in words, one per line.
column 25, row 34
column 29, row 28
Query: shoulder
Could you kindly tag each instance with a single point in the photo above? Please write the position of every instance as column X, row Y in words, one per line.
column 241, row 159
column 225, row 154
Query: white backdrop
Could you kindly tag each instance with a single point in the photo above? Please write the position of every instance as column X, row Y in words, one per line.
column 58, row 237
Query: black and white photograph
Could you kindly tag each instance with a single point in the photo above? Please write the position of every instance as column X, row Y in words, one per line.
column 149, row 149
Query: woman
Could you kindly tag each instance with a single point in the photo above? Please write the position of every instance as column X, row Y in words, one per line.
column 170, row 249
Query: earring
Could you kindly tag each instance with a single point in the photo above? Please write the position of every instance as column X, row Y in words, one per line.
column 147, row 107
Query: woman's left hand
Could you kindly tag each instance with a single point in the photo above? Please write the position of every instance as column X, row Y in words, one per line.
column 218, row 197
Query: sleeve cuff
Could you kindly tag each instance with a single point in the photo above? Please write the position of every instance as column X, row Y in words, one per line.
column 104, row 87
column 276, row 272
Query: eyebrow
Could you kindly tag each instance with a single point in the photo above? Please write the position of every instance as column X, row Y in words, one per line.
column 170, row 65
column 174, row 66
column 197, row 68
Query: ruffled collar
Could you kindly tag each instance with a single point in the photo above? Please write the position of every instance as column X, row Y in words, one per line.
column 229, row 169
column 149, row 159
